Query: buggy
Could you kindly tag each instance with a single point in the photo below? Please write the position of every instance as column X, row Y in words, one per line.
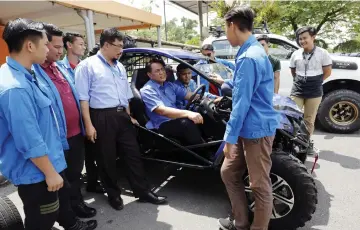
column 294, row 190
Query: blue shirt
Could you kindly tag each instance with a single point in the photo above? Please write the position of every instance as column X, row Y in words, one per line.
column 253, row 115
column 28, row 126
column 191, row 87
column 102, row 85
column 154, row 95
column 49, row 88
column 226, row 63
column 66, row 64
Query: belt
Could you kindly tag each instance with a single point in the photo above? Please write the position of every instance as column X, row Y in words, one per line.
column 117, row 109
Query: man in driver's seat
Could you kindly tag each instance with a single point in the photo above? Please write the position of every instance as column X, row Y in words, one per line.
column 184, row 80
column 160, row 98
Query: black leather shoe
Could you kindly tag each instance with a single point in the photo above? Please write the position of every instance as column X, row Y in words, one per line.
column 95, row 188
column 83, row 211
column 81, row 225
column 116, row 203
column 151, row 197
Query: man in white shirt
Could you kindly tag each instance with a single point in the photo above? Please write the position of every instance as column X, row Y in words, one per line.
column 310, row 66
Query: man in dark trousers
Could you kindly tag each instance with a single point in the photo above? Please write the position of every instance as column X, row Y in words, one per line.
column 32, row 155
column 55, row 77
column 252, row 125
column 104, row 93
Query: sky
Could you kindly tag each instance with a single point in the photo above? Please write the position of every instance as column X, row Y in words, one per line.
column 172, row 11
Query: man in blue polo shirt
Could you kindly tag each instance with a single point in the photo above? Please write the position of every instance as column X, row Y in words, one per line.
column 184, row 80
column 32, row 155
column 160, row 99
column 104, row 93
column 252, row 125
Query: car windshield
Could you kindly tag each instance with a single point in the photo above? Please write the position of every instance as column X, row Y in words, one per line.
column 216, row 68
column 224, row 50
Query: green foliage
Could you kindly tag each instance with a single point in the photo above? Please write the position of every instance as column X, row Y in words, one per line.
column 183, row 33
column 351, row 46
column 332, row 19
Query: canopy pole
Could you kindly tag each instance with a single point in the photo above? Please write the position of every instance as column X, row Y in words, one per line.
column 158, row 36
column 201, row 20
column 82, row 14
column 90, row 15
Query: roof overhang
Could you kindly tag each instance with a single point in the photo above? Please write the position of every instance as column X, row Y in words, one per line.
column 192, row 6
column 107, row 13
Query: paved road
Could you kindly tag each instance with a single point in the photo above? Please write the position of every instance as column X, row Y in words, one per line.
column 197, row 198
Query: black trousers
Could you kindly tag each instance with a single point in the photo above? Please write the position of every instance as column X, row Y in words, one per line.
column 75, row 163
column 90, row 165
column 116, row 136
column 182, row 129
column 43, row 208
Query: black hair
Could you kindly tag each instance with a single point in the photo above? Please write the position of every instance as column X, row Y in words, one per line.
column 242, row 17
column 207, row 47
column 70, row 37
column 110, row 35
column 52, row 30
column 311, row 30
column 181, row 67
column 17, row 31
column 263, row 37
column 94, row 50
column 152, row 61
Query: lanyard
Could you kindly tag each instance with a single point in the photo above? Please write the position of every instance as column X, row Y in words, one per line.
column 308, row 60
column 114, row 75
column 52, row 109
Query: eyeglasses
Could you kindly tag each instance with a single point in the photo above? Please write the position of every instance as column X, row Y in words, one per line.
column 158, row 71
column 118, row 46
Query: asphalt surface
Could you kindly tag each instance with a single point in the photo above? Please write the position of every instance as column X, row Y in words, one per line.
column 197, row 198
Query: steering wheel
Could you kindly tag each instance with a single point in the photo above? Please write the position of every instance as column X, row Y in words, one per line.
column 192, row 99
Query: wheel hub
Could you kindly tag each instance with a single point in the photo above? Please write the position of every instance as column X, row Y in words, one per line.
column 344, row 113
column 283, row 195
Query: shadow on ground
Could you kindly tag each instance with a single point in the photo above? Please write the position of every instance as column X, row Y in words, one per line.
column 345, row 161
column 322, row 213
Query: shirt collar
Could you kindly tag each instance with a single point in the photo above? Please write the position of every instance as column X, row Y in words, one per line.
column 52, row 65
column 103, row 59
column 16, row 65
column 246, row 45
column 154, row 83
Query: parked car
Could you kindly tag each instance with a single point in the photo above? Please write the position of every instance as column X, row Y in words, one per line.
column 339, row 111
column 294, row 190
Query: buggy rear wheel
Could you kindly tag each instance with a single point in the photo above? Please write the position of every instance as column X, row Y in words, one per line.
column 294, row 192
column 10, row 218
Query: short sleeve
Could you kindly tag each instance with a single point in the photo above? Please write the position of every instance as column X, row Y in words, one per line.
column 326, row 59
column 277, row 66
column 82, row 81
column 180, row 92
column 19, row 112
column 292, row 61
column 150, row 98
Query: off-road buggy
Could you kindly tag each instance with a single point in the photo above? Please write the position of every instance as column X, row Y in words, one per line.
column 294, row 190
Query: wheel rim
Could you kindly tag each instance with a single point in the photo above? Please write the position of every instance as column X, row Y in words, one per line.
column 283, row 195
column 344, row 113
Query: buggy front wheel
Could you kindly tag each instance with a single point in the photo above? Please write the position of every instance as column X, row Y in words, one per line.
column 294, row 193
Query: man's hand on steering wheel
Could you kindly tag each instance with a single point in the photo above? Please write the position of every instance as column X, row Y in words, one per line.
column 217, row 100
column 196, row 96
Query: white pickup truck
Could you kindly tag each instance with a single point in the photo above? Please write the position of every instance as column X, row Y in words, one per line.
column 340, row 107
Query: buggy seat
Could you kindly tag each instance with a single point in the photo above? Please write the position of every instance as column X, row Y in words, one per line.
column 138, row 80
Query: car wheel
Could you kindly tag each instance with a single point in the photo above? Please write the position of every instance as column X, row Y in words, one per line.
column 3, row 181
column 294, row 193
column 10, row 218
column 339, row 112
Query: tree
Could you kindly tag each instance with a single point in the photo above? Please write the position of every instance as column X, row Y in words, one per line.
column 351, row 46
column 183, row 33
column 285, row 17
